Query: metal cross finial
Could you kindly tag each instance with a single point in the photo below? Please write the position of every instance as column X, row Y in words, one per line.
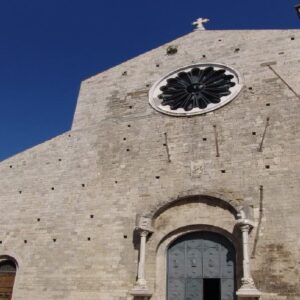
column 199, row 23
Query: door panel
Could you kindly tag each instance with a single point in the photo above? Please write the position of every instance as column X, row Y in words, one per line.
column 176, row 289
column 211, row 263
column 6, row 285
column 194, row 288
column 196, row 256
column 176, row 262
column 227, row 263
column 193, row 263
column 227, row 289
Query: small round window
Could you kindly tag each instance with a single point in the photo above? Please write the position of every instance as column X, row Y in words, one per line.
column 195, row 89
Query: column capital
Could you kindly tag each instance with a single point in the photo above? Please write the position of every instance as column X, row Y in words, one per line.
column 144, row 224
column 143, row 233
column 245, row 224
column 245, row 227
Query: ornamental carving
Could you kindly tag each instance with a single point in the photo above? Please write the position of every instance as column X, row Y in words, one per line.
column 195, row 89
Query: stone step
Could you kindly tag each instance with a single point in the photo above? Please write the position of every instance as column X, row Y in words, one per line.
column 272, row 297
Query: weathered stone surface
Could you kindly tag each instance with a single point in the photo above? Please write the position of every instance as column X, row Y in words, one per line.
column 92, row 181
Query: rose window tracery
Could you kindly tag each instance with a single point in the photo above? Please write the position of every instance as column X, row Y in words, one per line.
column 195, row 89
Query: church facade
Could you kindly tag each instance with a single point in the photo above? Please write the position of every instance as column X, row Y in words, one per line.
column 179, row 180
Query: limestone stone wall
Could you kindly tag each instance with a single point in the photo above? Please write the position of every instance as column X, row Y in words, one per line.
column 68, row 206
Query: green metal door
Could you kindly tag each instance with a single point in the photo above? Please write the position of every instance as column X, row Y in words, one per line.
column 201, row 266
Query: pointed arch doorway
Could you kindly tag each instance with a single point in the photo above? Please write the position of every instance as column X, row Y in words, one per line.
column 201, row 266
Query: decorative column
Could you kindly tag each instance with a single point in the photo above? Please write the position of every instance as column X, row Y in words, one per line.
column 141, row 281
column 248, row 289
column 140, row 289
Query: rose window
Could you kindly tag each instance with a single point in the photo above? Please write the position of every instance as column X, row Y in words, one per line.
column 195, row 89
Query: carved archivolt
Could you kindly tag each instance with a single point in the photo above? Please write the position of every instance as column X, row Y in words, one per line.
column 169, row 220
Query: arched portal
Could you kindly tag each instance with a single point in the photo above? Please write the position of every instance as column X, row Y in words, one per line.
column 7, row 278
column 201, row 266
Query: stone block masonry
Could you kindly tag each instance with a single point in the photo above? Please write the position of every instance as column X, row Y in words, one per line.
column 74, row 199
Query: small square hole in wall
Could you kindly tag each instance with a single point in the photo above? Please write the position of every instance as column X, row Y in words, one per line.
column 157, row 177
column 25, row 241
column 52, row 188
column 0, row 242
column 59, row 159
column 11, row 166
column 38, row 219
column 128, row 125
column 223, row 171
column 164, row 144
column 250, row 88
column 204, row 139
column 236, row 50
column 91, row 216
column 124, row 139
column 130, row 106
column 127, row 149
column 54, row 240
column 20, row 192
column 203, row 56
column 83, row 185
column 125, row 236
column 292, row 38
column 267, row 166
column 157, row 65
column 88, row 238
column 116, row 181
column 253, row 133
column 268, row 104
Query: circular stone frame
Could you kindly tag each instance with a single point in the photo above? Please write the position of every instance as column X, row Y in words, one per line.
column 155, row 90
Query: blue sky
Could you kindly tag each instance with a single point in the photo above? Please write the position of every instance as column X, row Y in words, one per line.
column 47, row 47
